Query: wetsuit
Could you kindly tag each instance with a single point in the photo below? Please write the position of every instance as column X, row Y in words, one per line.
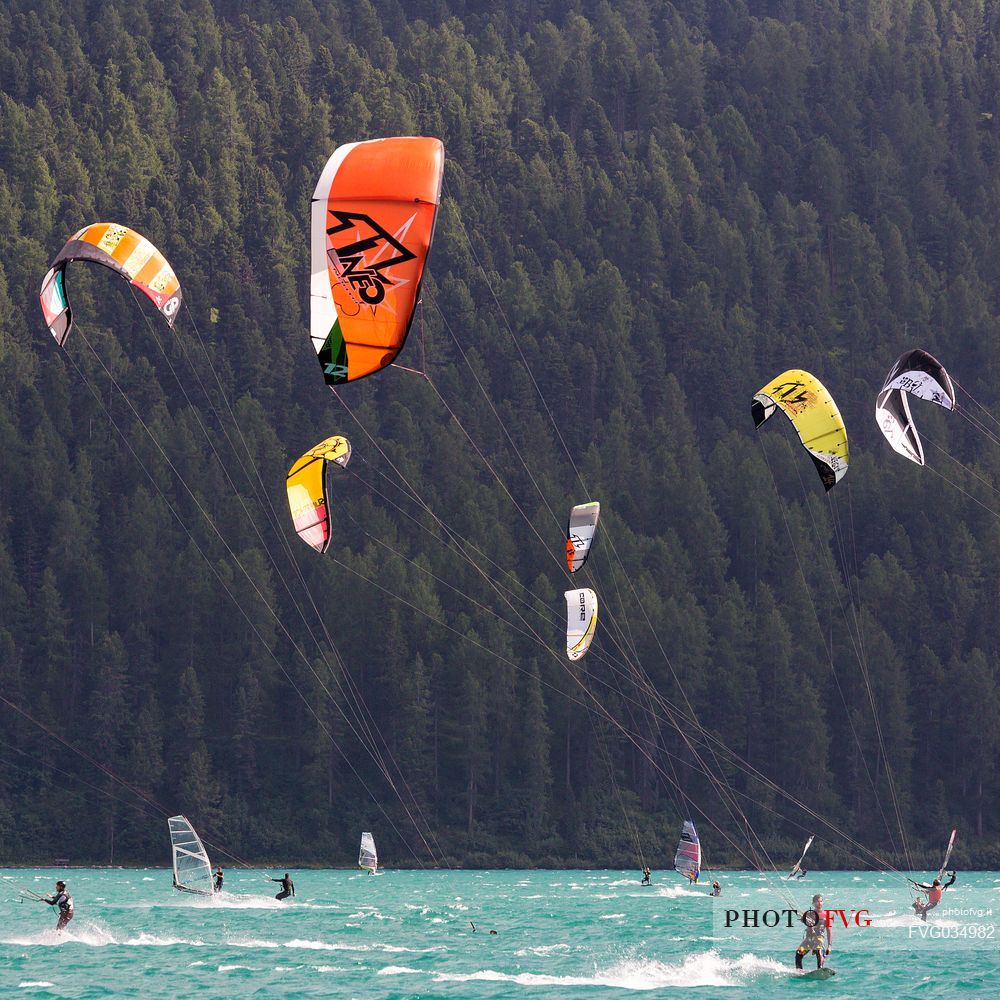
column 716, row 889
column 934, row 894
column 218, row 881
column 645, row 876
column 814, row 939
column 65, row 903
column 287, row 887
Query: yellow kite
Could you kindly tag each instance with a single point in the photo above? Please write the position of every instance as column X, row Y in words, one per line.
column 814, row 414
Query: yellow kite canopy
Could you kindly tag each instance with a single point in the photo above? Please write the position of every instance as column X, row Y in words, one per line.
column 123, row 250
column 815, row 417
column 373, row 215
column 307, row 493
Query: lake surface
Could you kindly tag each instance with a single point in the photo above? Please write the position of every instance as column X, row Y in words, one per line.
column 560, row 934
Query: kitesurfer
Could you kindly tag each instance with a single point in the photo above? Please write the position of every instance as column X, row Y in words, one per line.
column 816, row 923
column 287, row 887
column 645, row 875
column 716, row 889
column 934, row 893
column 64, row 901
column 218, row 878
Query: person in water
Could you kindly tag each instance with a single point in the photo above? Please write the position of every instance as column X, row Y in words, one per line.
column 716, row 889
column 934, row 893
column 645, row 874
column 218, row 878
column 64, row 901
column 801, row 873
column 287, row 887
column 817, row 928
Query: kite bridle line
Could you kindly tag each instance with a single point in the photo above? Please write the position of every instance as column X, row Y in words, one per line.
column 371, row 737
column 215, row 571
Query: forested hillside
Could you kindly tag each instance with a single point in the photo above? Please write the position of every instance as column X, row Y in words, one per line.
column 649, row 211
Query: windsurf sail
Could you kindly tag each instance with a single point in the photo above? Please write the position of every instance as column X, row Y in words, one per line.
column 687, row 860
column 580, row 532
column 192, row 869
column 368, row 857
column 947, row 855
column 797, row 867
column 581, row 621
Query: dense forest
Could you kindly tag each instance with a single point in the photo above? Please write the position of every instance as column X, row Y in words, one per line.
column 649, row 210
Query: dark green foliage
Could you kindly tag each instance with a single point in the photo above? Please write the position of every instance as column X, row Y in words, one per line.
column 657, row 209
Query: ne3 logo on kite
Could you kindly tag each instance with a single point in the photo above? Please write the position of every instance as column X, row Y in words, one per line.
column 359, row 261
column 785, row 390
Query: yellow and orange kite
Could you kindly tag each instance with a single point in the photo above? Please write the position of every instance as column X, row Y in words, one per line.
column 123, row 250
column 308, row 498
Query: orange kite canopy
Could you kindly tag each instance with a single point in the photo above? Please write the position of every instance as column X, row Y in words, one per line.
column 123, row 250
column 373, row 215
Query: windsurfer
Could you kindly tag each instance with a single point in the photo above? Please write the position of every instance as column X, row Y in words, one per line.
column 645, row 875
column 64, row 901
column 934, row 893
column 816, row 923
column 287, row 887
column 218, row 878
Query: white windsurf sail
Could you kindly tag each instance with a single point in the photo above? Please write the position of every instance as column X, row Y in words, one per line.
column 368, row 857
column 947, row 855
column 797, row 867
column 192, row 869
column 687, row 860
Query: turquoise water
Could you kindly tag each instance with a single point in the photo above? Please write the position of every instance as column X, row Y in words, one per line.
column 560, row 934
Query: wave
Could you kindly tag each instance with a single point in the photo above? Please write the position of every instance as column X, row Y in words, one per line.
column 221, row 901
column 96, row 935
column 910, row 920
column 674, row 891
column 541, row 950
column 704, row 969
column 307, row 944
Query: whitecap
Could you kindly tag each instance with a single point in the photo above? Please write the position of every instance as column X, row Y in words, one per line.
column 542, row 949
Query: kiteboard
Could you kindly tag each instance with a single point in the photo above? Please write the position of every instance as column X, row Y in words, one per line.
column 823, row 973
